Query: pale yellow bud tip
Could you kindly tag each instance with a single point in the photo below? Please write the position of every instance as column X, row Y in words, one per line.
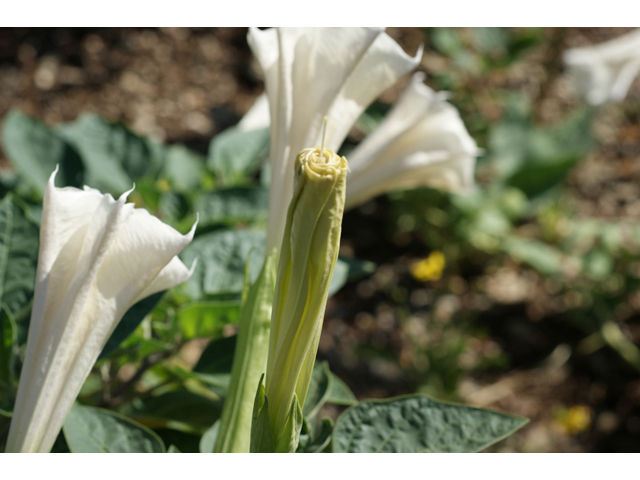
column 320, row 161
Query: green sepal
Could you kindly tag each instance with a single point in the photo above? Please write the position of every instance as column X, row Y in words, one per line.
column 259, row 402
column 290, row 436
column 249, row 362
column 261, row 436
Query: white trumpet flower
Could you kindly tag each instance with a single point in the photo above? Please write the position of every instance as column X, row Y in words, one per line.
column 606, row 71
column 98, row 256
column 311, row 73
column 422, row 141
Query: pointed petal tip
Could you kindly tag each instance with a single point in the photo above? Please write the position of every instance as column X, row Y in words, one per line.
column 419, row 53
column 193, row 267
column 52, row 177
column 193, row 228
column 123, row 198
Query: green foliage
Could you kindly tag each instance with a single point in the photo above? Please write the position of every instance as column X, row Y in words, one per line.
column 250, row 359
column 19, row 244
column 221, row 257
column 182, row 410
column 315, row 443
column 130, row 322
column 319, row 389
column 208, row 440
column 35, row 150
column 94, row 430
column 184, row 168
column 233, row 205
column 207, row 319
column 235, row 154
column 340, row 393
column 113, row 155
column 416, row 423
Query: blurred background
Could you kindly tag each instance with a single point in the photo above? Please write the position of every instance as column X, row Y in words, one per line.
column 523, row 297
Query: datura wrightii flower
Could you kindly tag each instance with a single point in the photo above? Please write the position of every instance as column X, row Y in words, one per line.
column 421, row 142
column 307, row 258
column 312, row 73
column 98, row 256
column 605, row 72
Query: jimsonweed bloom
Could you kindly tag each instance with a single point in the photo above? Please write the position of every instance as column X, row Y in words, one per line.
column 605, row 71
column 98, row 256
column 422, row 141
column 312, row 73
column 307, row 258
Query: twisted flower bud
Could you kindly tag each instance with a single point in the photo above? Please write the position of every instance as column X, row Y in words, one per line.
column 307, row 258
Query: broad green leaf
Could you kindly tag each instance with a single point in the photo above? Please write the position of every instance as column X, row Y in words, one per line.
column 173, row 449
column 339, row 278
column 94, row 430
column 8, row 355
column 19, row 243
column 183, row 168
column 35, row 151
column 319, row 389
column 173, row 207
column 130, row 322
column 235, row 154
column 340, row 393
column 221, row 259
column 217, row 358
column 113, row 155
column 208, row 440
column 233, row 205
column 181, row 410
column 544, row 258
column 535, row 179
column 417, row 423
column 319, row 442
column 207, row 319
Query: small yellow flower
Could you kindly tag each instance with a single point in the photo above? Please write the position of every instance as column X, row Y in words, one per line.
column 429, row 268
column 575, row 420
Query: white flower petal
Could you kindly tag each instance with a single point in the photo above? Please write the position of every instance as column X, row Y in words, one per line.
column 173, row 274
column 421, row 142
column 98, row 256
column 382, row 65
column 258, row 115
column 604, row 72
